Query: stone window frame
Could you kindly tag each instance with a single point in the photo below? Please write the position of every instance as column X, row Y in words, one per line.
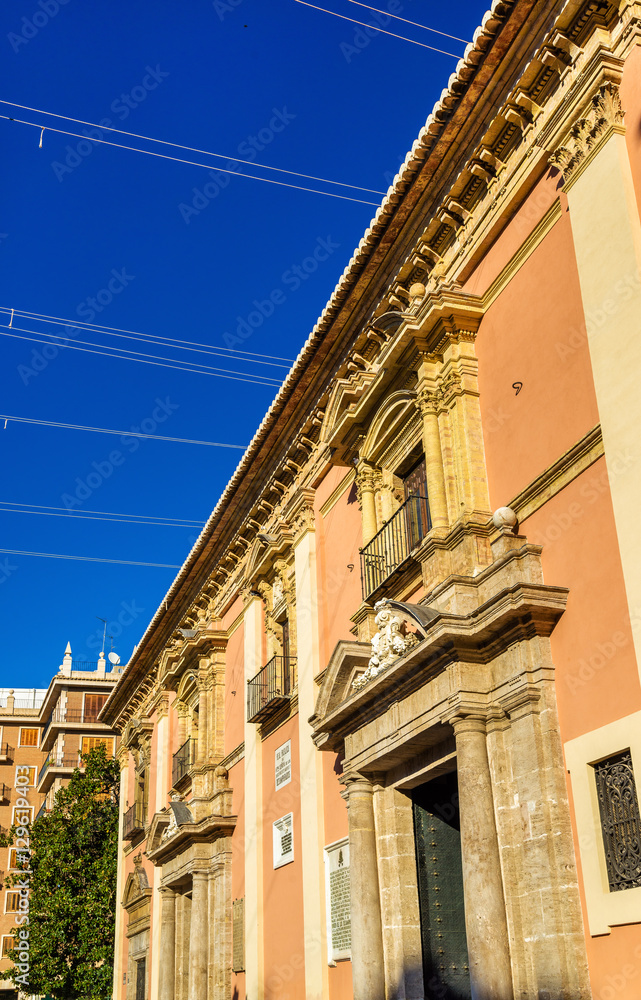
column 605, row 908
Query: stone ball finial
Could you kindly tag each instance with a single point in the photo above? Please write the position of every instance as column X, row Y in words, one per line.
column 504, row 517
column 417, row 290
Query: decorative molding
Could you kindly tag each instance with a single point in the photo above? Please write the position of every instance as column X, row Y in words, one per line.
column 604, row 116
column 560, row 474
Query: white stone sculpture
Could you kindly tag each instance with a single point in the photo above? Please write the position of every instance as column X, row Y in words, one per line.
column 390, row 642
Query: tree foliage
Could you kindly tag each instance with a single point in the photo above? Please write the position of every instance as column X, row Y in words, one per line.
column 71, row 875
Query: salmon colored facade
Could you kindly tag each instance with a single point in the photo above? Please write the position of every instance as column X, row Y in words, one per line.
column 383, row 737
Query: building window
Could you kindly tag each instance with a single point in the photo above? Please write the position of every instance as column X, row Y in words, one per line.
column 26, row 775
column 13, row 858
column 93, row 704
column 12, row 902
column 91, row 742
column 8, row 944
column 620, row 820
column 22, row 815
column 29, row 737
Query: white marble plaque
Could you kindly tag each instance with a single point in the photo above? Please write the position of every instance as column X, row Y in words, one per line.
column 339, row 921
column 283, row 765
column 283, row 840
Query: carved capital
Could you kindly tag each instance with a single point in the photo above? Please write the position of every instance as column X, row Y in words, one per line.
column 604, row 112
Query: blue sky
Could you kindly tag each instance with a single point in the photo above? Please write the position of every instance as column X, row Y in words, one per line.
column 163, row 248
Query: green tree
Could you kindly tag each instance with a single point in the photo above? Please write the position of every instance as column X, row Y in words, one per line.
column 71, row 875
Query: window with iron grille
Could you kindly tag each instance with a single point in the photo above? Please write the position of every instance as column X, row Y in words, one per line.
column 620, row 820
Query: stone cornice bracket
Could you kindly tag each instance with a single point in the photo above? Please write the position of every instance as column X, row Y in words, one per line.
column 603, row 117
column 522, row 699
column 299, row 512
column 466, row 712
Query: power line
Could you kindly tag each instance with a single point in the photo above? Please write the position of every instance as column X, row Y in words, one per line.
column 182, row 521
column 364, row 24
column 192, row 163
column 385, row 13
column 104, row 430
column 11, row 509
column 206, row 369
column 36, row 337
column 190, row 149
column 172, row 341
column 56, row 555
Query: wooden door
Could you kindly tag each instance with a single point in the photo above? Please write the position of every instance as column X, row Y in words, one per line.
column 440, row 888
column 141, row 975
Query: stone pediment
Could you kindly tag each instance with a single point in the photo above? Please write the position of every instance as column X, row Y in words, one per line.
column 137, row 886
column 348, row 661
column 343, row 401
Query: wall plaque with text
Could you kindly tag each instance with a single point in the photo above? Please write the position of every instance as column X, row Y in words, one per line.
column 283, row 765
column 339, row 921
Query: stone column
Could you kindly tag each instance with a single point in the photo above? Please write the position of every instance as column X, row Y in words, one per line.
column 426, row 400
column 366, row 479
column 485, row 916
column 204, row 684
column 198, row 939
column 368, row 969
column 167, row 944
column 120, row 940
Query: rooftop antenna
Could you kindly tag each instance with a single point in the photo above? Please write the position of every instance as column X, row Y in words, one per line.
column 104, row 634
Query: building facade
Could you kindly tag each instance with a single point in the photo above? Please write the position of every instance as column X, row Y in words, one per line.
column 381, row 739
column 43, row 736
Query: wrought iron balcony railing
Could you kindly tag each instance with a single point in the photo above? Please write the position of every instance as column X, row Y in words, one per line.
column 270, row 688
column 182, row 760
column 5, row 750
column 394, row 542
column 133, row 821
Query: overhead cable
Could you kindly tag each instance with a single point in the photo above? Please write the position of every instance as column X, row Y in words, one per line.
column 190, row 149
column 36, row 337
column 207, row 369
column 103, row 430
column 107, row 513
column 364, row 24
column 192, row 163
column 119, row 562
column 385, row 13
column 152, row 338
column 64, row 512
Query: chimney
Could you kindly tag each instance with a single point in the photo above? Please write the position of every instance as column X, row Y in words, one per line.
column 10, row 701
column 102, row 664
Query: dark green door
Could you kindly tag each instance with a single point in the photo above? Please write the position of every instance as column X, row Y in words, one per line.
column 440, row 889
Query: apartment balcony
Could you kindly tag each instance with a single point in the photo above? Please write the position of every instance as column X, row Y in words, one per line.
column 56, row 766
column 182, row 761
column 394, row 543
column 133, row 822
column 6, row 753
column 271, row 688
column 69, row 719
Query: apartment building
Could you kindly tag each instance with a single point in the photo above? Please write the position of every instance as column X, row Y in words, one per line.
column 43, row 734
column 381, row 738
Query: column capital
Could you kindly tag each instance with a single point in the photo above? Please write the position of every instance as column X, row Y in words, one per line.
column 167, row 894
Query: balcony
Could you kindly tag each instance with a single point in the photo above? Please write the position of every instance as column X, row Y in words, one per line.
column 133, row 821
column 62, row 717
column 182, row 761
column 54, row 766
column 5, row 752
column 394, row 543
column 270, row 688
